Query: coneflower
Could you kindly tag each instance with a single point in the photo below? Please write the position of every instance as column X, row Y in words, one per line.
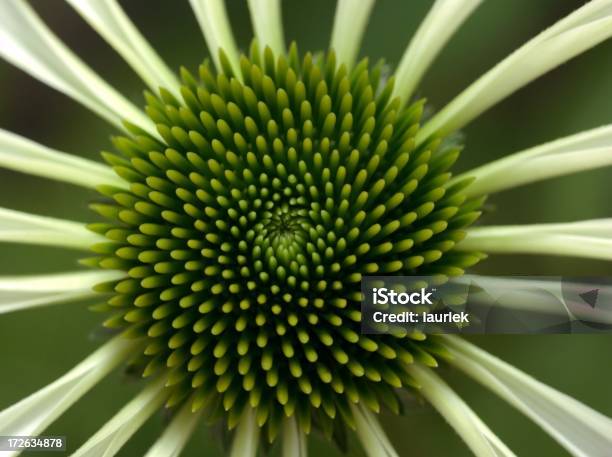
column 242, row 207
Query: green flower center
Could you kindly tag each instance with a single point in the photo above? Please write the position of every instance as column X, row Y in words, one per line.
column 250, row 222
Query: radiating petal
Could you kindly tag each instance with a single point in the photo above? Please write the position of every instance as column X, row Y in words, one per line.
column 176, row 435
column 213, row 20
column 27, row 43
column 442, row 21
column 349, row 25
column 583, row 151
column 21, row 154
column 246, row 439
column 18, row 227
column 107, row 441
column 584, row 28
column 371, row 435
column 532, row 294
column 294, row 439
column 589, row 239
column 525, row 294
column 23, row 292
column 581, row 430
column 479, row 438
column 33, row 414
column 109, row 20
column 267, row 20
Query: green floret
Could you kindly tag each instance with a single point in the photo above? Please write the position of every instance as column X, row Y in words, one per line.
column 250, row 222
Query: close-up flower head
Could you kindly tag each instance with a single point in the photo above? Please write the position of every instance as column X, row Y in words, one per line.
column 210, row 238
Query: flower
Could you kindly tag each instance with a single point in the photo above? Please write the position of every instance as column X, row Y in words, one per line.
column 243, row 206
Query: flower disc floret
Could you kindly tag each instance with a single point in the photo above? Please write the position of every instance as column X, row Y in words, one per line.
column 249, row 223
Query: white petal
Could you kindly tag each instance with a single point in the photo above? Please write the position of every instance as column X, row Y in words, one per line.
column 109, row 20
column 373, row 438
column 442, row 21
column 581, row 430
column 572, row 154
column 176, row 435
column 107, row 441
column 587, row 239
column 479, row 438
column 534, row 295
column 601, row 228
column 212, row 17
column 584, row 28
column 294, row 439
column 268, row 24
column 23, row 292
column 21, row 154
column 33, row 414
column 18, row 227
column 536, row 169
column 529, row 289
column 350, row 23
column 27, row 43
column 246, row 439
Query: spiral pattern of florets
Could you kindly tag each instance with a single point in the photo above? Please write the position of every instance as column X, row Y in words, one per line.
column 249, row 223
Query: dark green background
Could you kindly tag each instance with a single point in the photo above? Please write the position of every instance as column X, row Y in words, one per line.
column 39, row 345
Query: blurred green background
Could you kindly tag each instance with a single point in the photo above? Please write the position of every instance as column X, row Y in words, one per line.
column 39, row 345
